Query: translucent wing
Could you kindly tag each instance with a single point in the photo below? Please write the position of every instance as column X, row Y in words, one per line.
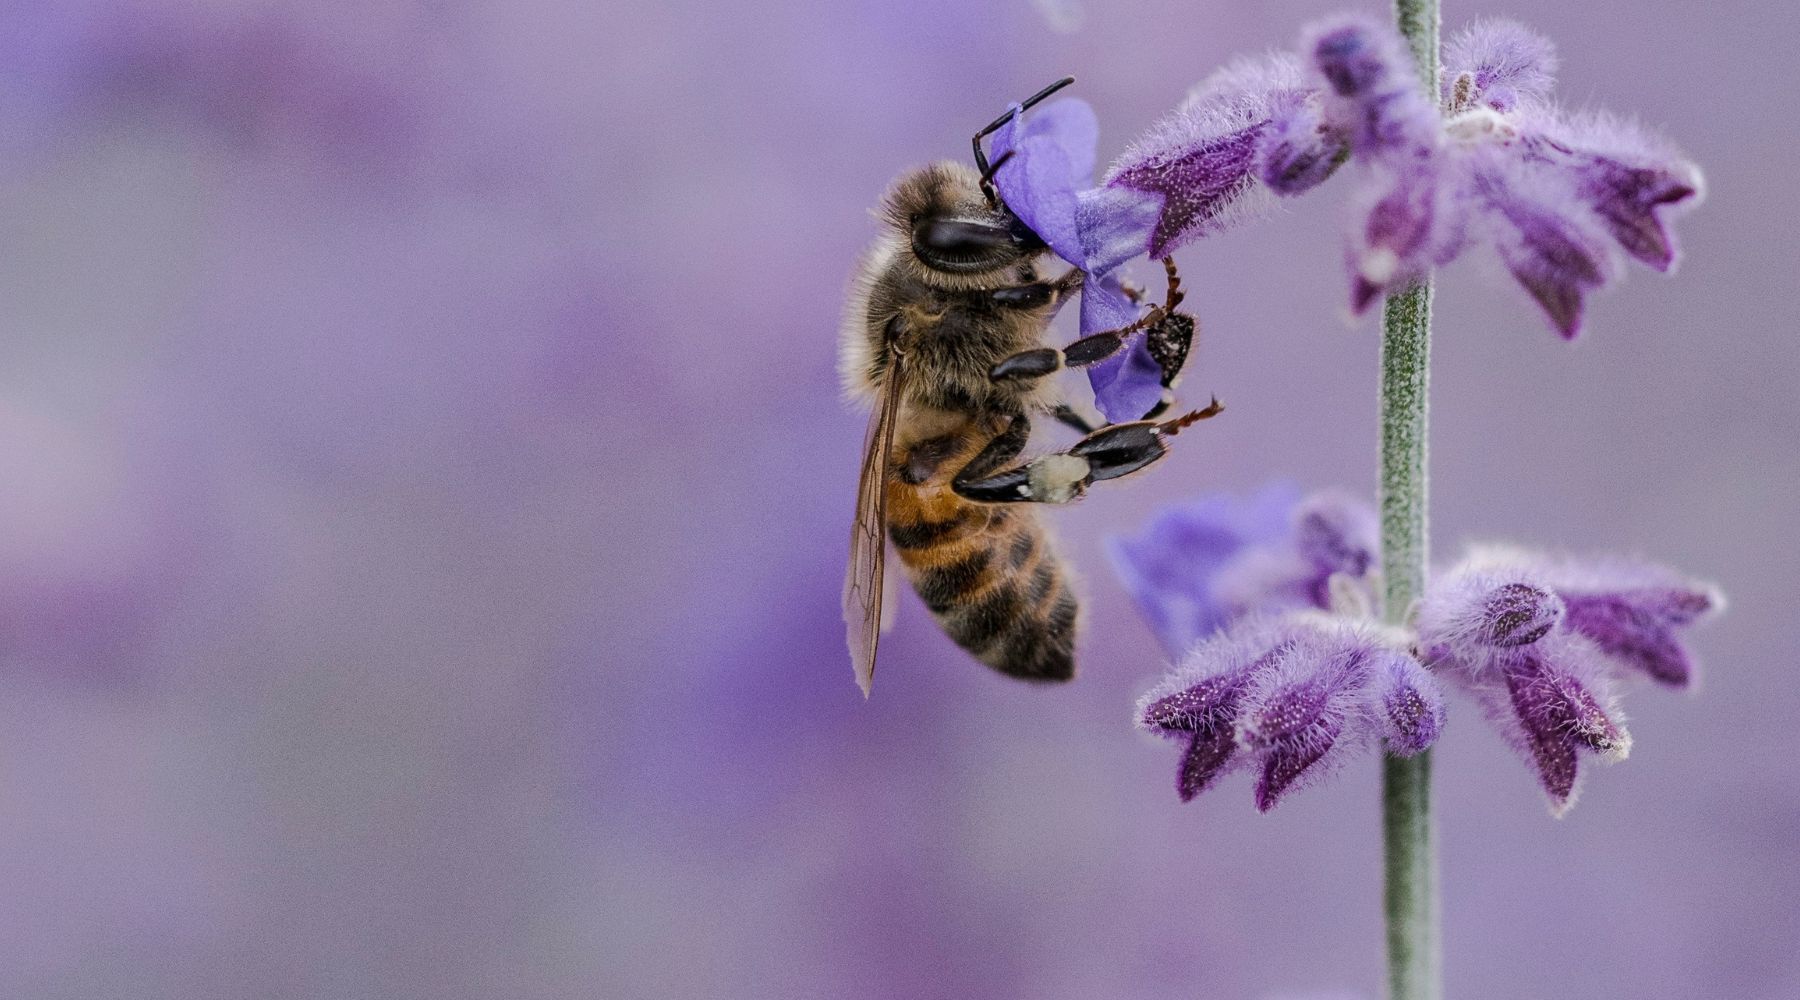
column 864, row 586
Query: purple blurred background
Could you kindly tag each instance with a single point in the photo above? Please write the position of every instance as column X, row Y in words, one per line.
column 425, row 490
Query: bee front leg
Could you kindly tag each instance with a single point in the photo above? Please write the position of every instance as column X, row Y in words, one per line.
column 1108, row 453
column 1039, row 294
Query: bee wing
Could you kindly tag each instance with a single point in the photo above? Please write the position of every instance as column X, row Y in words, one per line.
column 865, row 584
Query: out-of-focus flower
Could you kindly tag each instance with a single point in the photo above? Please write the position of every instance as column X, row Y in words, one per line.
column 1198, row 566
column 101, row 541
column 1541, row 643
column 1266, row 606
column 1559, row 196
column 1292, row 697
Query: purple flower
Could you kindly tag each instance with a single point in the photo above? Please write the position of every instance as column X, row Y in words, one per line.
column 1633, row 612
column 1561, row 197
column 1265, row 603
column 1541, row 643
column 1047, row 181
column 1197, row 567
column 1290, row 697
column 1252, row 127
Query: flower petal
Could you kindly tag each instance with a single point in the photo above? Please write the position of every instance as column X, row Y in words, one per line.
column 1559, row 715
column 1638, row 628
column 1633, row 180
column 1207, row 757
column 1505, row 63
column 1207, row 705
column 1402, row 228
column 1477, row 608
column 1549, row 240
column 1198, row 160
column 1298, row 150
column 1170, row 568
column 1337, row 533
column 1128, row 384
column 1409, row 704
column 1115, row 225
column 1284, row 763
column 1053, row 151
column 1369, row 72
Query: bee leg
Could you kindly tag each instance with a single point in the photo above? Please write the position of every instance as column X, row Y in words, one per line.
column 1168, row 342
column 1067, row 415
column 1168, row 339
column 1108, row 453
column 1036, row 295
column 1041, row 361
column 1002, row 449
column 1039, row 294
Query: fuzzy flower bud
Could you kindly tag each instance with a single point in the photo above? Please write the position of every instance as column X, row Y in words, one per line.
column 1291, row 697
column 1541, row 642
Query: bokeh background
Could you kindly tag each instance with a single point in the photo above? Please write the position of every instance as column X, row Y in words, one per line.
column 424, row 492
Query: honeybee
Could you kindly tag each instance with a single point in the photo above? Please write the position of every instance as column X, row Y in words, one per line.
column 943, row 336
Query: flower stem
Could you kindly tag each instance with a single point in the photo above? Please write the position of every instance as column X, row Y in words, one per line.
column 1410, row 868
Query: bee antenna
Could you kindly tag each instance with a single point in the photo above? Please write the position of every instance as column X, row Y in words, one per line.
column 981, row 161
column 987, row 176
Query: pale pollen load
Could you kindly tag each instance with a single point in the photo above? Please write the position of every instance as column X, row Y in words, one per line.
column 1057, row 478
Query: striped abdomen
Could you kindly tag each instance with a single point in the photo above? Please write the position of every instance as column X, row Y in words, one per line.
column 987, row 572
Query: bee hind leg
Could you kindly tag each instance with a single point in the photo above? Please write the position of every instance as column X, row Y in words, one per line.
column 1108, row 453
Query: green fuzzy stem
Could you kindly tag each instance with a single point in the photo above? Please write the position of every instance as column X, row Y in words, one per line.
column 1410, row 870
column 1411, row 865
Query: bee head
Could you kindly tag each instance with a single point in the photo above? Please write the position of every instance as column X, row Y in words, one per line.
column 953, row 230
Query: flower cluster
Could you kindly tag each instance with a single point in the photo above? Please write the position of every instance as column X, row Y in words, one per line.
column 1296, row 675
column 1561, row 197
column 1292, row 696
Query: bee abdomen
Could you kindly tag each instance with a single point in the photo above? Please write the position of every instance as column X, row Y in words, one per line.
column 999, row 592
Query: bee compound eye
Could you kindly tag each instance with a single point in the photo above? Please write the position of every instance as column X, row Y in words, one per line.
column 960, row 244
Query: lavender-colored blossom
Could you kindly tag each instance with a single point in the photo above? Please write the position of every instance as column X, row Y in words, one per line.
column 1562, row 198
column 1266, row 602
column 1291, row 697
column 1634, row 613
column 1504, row 62
column 1408, row 704
column 1197, row 567
column 1170, row 567
column 1047, row 181
column 1542, row 642
column 1251, row 127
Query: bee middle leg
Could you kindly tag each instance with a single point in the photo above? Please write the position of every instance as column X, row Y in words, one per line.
column 1108, row 453
column 1168, row 336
